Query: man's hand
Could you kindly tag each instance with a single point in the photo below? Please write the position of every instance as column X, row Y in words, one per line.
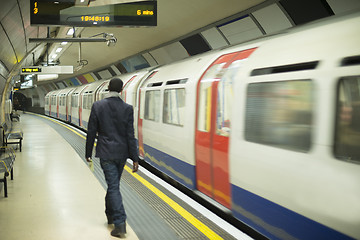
column 88, row 159
column 135, row 166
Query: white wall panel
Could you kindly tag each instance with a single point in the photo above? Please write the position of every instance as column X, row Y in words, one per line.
column 170, row 53
column 272, row 19
column 105, row 74
column 150, row 59
column 115, row 69
column 241, row 30
column 214, row 38
column 341, row 6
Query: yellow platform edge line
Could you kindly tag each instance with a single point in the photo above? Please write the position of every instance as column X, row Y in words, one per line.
column 60, row 123
column 185, row 214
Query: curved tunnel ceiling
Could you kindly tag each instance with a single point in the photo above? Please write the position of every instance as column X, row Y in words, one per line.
column 175, row 18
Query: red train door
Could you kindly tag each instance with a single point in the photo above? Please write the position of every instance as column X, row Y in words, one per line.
column 124, row 90
column 57, row 106
column 140, row 128
column 213, row 128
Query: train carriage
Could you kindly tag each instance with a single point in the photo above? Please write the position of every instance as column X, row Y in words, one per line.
column 47, row 103
column 130, row 92
column 53, row 109
column 285, row 169
column 269, row 129
column 76, row 105
column 87, row 98
column 103, row 90
column 65, row 104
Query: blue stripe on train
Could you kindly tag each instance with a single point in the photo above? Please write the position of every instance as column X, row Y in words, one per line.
column 275, row 221
column 62, row 116
column 75, row 121
column 182, row 172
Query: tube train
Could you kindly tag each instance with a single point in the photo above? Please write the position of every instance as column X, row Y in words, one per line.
column 270, row 128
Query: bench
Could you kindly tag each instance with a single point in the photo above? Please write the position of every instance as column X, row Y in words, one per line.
column 14, row 116
column 11, row 136
column 7, row 159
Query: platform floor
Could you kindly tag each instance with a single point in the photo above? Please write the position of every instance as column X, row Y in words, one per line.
column 54, row 195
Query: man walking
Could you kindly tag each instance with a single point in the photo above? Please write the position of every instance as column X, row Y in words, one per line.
column 112, row 119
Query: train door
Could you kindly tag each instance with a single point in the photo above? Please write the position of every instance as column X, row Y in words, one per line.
column 97, row 92
column 141, row 116
column 57, row 105
column 69, row 105
column 214, row 100
column 124, row 91
column 50, row 105
column 81, row 95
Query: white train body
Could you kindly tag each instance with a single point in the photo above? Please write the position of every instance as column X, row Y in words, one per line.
column 270, row 129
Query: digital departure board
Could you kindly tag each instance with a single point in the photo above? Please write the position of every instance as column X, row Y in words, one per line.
column 65, row 12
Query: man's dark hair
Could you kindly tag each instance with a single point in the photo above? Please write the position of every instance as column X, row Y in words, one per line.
column 116, row 85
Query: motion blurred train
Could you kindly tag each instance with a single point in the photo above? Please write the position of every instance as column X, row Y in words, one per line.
column 270, row 129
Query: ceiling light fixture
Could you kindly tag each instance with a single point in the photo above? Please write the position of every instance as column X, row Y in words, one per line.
column 70, row 32
column 109, row 38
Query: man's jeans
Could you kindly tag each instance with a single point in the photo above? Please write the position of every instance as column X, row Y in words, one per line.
column 113, row 201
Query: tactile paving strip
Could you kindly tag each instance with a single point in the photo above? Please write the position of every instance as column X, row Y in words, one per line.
column 182, row 229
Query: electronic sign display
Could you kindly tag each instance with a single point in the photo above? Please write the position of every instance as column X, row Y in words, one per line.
column 65, row 12
column 27, row 70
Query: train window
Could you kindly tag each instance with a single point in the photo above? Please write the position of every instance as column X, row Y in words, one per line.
column 174, row 106
column 204, row 111
column 158, row 84
column 347, row 129
column 88, row 103
column 280, row 114
column 180, row 81
column 225, row 99
column 53, row 100
column 62, row 100
column 204, row 117
column 285, row 68
column 350, row 61
column 84, row 101
column 152, row 105
column 74, row 100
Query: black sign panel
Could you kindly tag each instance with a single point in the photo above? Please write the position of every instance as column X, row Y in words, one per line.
column 65, row 12
column 31, row 70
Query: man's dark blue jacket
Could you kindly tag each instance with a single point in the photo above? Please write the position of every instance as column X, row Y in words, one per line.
column 113, row 120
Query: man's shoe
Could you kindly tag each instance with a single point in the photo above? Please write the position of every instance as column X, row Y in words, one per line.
column 110, row 219
column 119, row 231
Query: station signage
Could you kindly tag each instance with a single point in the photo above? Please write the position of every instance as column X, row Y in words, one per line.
column 47, row 70
column 68, row 13
column 30, row 70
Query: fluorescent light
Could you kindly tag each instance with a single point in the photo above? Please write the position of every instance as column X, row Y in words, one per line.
column 64, row 43
column 44, row 77
column 58, row 50
column 82, row 1
column 54, row 56
column 70, row 31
